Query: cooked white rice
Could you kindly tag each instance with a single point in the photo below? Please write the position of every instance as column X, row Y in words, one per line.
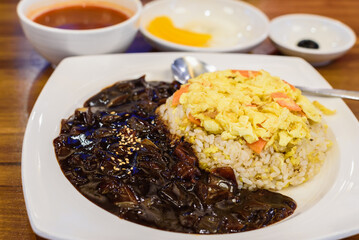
column 274, row 168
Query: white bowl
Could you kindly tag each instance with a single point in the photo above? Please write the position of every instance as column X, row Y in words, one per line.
column 235, row 26
column 334, row 37
column 55, row 44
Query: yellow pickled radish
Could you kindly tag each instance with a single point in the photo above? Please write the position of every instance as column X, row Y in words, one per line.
column 164, row 28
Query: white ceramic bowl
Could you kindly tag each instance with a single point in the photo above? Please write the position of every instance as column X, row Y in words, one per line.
column 235, row 26
column 334, row 37
column 55, row 44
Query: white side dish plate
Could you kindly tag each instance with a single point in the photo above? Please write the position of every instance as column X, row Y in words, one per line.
column 235, row 26
column 334, row 37
column 327, row 205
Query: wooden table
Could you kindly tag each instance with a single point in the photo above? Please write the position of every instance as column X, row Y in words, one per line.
column 23, row 74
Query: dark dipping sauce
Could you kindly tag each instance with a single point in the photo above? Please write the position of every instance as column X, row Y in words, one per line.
column 307, row 43
column 120, row 156
column 81, row 17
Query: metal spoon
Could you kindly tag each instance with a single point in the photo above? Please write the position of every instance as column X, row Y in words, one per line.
column 188, row 67
column 185, row 68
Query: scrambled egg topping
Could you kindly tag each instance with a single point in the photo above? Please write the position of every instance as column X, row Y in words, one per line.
column 323, row 109
column 249, row 105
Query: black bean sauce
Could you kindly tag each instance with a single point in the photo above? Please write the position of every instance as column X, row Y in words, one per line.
column 120, row 156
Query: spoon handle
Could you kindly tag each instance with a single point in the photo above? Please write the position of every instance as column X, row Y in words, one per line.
column 327, row 92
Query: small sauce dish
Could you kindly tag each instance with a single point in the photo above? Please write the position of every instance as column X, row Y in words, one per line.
column 317, row 39
column 234, row 26
column 55, row 44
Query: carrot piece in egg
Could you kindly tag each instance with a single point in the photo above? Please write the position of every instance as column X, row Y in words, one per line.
column 302, row 114
column 257, row 146
column 290, row 85
column 279, row 95
column 285, row 101
column 251, row 105
column 289, row 103
column 178, row 93
column 194, row 120
column 246, row 73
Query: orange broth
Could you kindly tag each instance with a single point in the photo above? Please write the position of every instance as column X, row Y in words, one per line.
column 80, row 17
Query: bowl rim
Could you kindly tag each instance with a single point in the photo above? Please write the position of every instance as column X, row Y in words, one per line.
column 22, row 16
column 180, row 47
column 318, row 52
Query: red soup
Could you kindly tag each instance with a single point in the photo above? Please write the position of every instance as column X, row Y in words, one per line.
column 81, row 17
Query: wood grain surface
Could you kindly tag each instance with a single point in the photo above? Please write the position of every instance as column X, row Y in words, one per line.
column 23, row 73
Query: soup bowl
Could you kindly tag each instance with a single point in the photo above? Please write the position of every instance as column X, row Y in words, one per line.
column 55, row 44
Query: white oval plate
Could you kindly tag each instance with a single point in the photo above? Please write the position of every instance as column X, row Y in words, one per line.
column 327, row 205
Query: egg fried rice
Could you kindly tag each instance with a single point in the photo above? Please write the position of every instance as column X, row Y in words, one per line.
column 259, row 125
